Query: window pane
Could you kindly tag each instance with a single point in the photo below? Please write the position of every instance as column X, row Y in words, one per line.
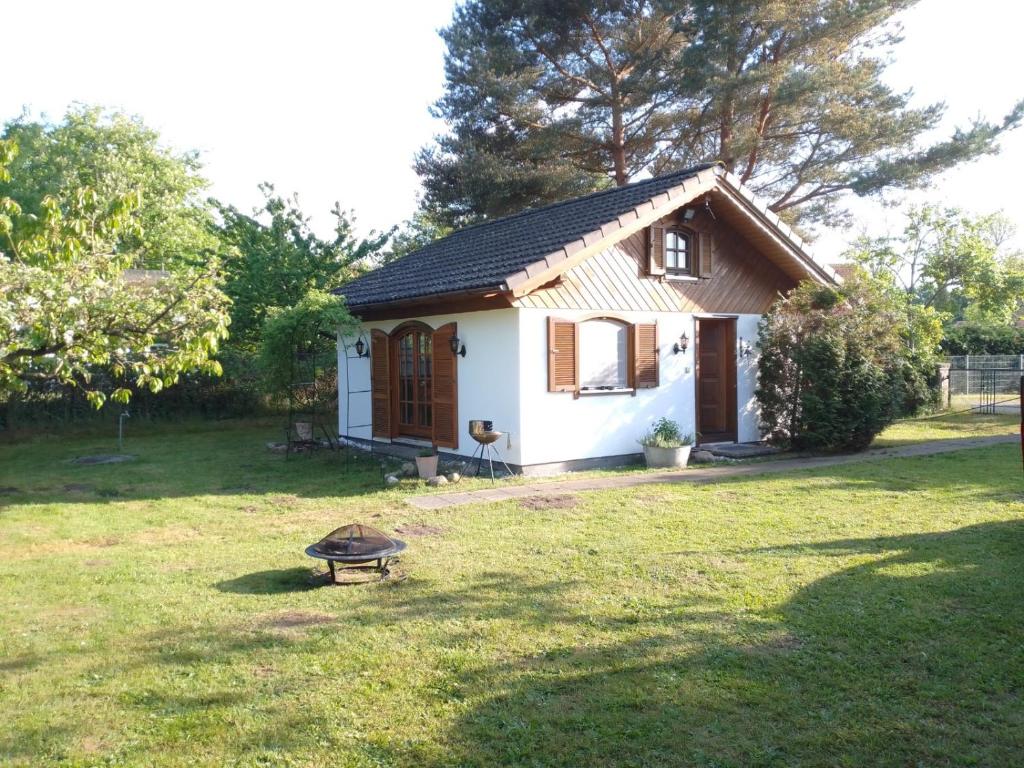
column 603, row 345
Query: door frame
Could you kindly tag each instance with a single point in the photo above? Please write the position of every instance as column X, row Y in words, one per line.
column 731, row 434
column 396, row 422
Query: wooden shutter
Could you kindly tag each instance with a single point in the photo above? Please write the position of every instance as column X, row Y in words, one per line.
column 704, row 258
column 444, row 387
column 656, row 249
column 563, row 355
column 645, row 355
column 380, row 384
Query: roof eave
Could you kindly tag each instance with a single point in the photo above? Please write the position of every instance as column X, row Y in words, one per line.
column 412, row 302
column 780, row 230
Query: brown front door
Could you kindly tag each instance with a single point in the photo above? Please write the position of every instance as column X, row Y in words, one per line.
column 716, row 380
column 414, row 368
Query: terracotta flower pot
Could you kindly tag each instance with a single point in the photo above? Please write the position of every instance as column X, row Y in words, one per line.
column 426, row 466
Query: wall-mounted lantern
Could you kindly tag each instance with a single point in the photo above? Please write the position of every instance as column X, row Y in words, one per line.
column 361, row 349
column 745, row 349
column 682, row 344
column 458, row 348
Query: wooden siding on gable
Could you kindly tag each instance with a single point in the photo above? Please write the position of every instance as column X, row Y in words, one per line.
column 616, row 279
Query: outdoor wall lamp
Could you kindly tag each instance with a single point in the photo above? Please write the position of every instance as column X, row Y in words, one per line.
column 361, row 350
column 745, row 349
column 682, row 344
column 457, row 347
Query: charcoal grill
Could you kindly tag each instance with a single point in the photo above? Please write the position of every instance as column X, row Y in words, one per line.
column 353, row 546
column 484, row 433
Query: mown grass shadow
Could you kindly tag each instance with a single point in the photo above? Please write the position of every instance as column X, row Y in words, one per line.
column 912, row 657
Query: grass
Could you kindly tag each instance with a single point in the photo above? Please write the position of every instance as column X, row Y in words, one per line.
column 947, row 426
column 159, row 612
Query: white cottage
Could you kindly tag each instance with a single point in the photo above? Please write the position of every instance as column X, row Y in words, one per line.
column 575, row 326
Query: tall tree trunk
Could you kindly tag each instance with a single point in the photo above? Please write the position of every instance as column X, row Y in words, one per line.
column 618, row 140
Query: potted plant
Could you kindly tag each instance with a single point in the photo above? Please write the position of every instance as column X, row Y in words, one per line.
column 426, row 463
column 665, row 445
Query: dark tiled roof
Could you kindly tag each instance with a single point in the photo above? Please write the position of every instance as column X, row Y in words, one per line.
column 484, row 255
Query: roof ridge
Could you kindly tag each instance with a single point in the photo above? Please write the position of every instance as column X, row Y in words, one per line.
column 690, row 171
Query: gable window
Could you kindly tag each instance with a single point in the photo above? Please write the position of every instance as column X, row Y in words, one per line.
column 604, row 355
column 678, row 252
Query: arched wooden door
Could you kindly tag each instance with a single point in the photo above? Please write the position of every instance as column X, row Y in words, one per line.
column 414, row 368
column 414, row 383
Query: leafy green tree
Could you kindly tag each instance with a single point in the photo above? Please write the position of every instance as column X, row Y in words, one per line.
column 548, row 99
column 420, row 230
column 274, row 259
column 300, row 328
column 830, row 372
column 949, row 262
column 115, row 155
column 71, row 304
column 983, row 339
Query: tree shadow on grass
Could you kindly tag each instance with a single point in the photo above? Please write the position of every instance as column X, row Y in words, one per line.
column 913, row 656
column 187, row 465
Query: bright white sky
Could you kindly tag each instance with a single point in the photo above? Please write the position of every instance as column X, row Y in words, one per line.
column 330, row 99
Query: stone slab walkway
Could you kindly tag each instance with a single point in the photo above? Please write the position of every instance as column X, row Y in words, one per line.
column 695, row 475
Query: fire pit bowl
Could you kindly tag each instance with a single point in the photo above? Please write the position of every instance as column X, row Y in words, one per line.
column 355, row 545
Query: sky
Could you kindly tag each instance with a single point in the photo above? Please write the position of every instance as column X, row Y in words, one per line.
column 331, row 100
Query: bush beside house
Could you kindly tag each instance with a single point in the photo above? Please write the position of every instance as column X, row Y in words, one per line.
column 835, row 369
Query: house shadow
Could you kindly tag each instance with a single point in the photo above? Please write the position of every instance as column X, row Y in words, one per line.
column 911, row 656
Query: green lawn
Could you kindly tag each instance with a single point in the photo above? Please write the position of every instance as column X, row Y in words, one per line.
column 159, row 613
column 947, row 426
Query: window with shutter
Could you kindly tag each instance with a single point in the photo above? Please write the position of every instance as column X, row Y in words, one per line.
column 604, row 355
column 445, row 393
column 645, row 345
column 678, row 252
column 563, row 355
column 380, row 384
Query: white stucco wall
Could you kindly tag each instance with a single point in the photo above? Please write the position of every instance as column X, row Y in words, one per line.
column 504, row 378
column 488, row 379
column 746, row 380
column 556, row 427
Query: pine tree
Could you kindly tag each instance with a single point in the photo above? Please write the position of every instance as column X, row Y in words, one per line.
column 551, row 98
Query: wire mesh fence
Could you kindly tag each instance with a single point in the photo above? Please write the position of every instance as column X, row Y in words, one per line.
column 987, row 383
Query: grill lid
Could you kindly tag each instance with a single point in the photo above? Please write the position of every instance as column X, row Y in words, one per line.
column 356, row 539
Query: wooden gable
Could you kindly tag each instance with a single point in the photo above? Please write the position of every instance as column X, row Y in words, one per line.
column 741, row 279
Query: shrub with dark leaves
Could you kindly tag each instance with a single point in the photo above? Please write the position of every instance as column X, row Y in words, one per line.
column 832, row 365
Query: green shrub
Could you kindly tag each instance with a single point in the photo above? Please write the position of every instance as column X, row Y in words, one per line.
column 834, row 370
column 983, row 339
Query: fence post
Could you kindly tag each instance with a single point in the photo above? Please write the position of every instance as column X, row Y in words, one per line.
column 944, row 388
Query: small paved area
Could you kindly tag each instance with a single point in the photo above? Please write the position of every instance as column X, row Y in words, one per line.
column 694, row 475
